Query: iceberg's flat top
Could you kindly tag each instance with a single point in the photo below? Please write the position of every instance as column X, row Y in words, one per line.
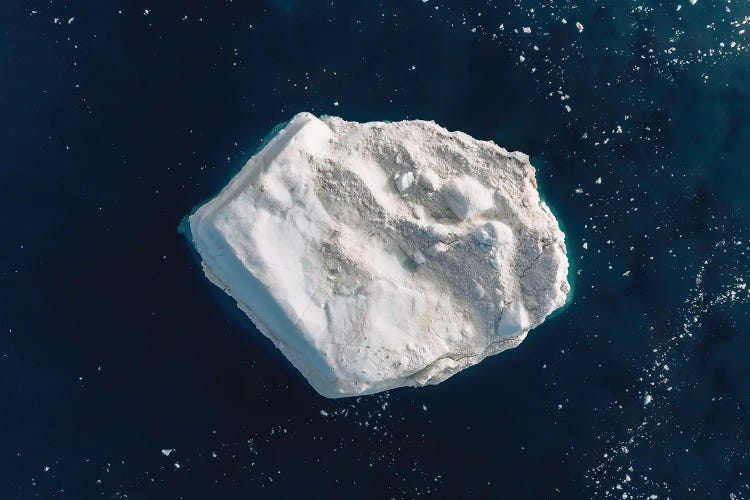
column 380, row 255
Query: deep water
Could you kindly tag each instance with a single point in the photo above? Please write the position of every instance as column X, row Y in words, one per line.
column 118, row 120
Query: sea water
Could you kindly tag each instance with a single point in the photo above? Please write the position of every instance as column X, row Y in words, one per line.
column 118, row 120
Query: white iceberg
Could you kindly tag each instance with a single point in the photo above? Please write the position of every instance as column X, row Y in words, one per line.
column 367, row 280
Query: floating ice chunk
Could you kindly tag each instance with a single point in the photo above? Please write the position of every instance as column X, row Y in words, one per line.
column 330, row 266
column 467, row 197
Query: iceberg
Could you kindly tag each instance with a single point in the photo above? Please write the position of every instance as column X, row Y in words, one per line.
column 380, row 255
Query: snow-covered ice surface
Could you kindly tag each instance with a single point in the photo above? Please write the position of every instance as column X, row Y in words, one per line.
column 380, row 255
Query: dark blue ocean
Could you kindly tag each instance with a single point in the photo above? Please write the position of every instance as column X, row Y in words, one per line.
column 117, row 118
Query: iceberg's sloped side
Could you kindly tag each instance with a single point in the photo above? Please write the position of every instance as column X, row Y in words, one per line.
column 380, row 255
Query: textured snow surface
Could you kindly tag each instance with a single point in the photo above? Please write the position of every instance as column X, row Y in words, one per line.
column 379, row 255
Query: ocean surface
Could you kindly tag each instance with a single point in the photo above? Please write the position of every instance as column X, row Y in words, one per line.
column 125, row 374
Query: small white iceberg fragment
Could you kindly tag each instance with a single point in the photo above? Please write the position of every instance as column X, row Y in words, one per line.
column 311, row 241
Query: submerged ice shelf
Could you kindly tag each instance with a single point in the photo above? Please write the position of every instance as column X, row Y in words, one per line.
column 379, row 255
